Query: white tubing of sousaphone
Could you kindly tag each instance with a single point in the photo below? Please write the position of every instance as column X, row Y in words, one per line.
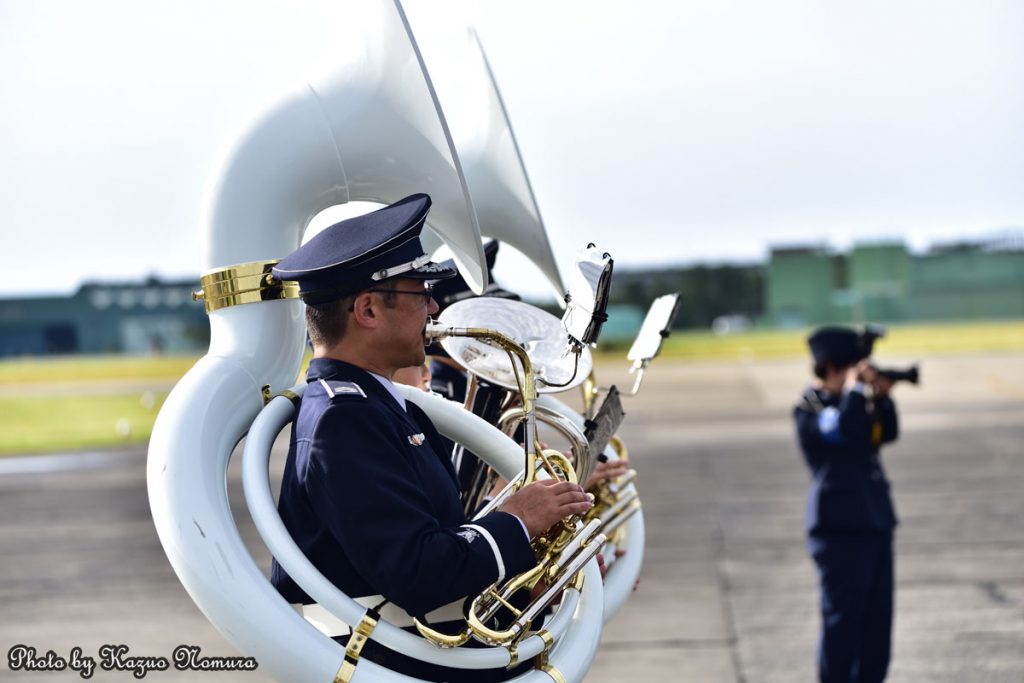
column 198, row 426
column 260, row 500
column 576, row 636
column 216, row 399
column 622, row 576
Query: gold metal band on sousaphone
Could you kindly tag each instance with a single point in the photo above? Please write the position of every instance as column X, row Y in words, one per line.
column 244, row 283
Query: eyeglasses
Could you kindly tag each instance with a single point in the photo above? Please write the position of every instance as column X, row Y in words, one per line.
column 427, row 292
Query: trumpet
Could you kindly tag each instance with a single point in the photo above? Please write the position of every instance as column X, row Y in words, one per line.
column 561, row 552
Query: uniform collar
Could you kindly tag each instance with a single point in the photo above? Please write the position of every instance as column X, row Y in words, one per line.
column 332, row 368
column 390, row 386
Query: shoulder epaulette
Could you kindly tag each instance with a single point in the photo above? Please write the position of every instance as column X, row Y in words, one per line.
column 810, row 401
column 337, row 389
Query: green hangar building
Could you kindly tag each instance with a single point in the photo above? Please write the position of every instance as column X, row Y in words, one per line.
column 884, row 282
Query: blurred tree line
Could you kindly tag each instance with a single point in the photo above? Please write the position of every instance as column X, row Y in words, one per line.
column 706, row 292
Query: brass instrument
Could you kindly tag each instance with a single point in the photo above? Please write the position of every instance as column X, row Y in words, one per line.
column 561, row 552
column 582, row 461
column 557, row 365
column 615, row 501
column 541, row 335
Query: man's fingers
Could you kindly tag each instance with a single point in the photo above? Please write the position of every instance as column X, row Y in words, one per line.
column 560, row 487
column 617, row 469
column 571, row 495
column 576, row 508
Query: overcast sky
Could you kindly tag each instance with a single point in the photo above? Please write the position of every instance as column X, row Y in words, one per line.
column 667, row 132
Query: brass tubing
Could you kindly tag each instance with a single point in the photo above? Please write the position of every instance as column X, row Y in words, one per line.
column 582, row 457
column 527, row 383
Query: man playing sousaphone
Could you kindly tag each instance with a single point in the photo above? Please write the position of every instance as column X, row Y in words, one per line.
column 369, row 493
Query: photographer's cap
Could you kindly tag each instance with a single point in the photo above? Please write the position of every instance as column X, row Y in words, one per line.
column 360, row 252
column 839, row 346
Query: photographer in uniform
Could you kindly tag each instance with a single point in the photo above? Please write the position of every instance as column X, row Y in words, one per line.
column 841, row 422
column 369, row 493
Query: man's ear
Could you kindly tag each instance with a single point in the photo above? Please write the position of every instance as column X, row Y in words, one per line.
column 364, row 310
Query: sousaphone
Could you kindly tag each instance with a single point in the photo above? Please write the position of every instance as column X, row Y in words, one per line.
column 371, row 130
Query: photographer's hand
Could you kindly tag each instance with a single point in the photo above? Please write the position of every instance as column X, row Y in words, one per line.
column 869, row 374
column 852, row 378
column 866, row 372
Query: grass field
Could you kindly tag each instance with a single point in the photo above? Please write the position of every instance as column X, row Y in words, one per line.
column 79, row 403
column 86, row 368
column 74, row 422
column 915, row 340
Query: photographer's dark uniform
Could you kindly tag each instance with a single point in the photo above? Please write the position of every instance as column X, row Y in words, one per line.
column 850, row 516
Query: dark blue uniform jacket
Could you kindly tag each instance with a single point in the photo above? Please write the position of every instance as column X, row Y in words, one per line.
column 371, row 498
column 839, row 436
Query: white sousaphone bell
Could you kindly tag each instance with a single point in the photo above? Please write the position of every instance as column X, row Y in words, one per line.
column 502, row 195
column 371, row 131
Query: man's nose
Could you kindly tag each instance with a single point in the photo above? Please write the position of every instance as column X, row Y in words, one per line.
column 432, row 307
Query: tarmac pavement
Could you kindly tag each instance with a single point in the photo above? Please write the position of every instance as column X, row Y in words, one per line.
column 727, row 592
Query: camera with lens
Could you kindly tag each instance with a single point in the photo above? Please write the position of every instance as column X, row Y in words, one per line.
column 867, row 344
